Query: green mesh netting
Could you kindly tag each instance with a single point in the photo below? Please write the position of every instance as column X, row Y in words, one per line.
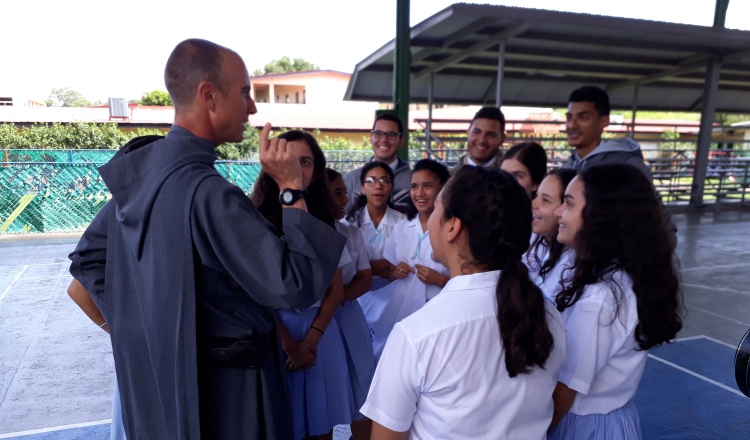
column 47, row 191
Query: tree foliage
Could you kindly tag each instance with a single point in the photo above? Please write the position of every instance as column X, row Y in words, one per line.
column 285, row 65
column 156, row 97
column 73, row 136
column 66, row 97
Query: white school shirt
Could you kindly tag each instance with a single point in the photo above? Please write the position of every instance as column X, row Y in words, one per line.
column 376, row 238
column 355, row 245
column 603, row 364
column 410, row 245
column 442, row 374
column 563, row 269
column 533, row 259
column 346, row 259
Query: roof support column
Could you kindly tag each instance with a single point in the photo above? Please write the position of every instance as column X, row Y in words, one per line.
column 708, row 109
column 430, row 92
column 635, row 110
column 500, row 70
column 401, row 71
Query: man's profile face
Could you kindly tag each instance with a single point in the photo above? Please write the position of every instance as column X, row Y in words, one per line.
column 234, row 104
column 386, row 145
column 485, row 137
column 584, row 125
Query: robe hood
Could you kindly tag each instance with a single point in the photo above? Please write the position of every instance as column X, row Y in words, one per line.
column 137, row 172
column 623, row 145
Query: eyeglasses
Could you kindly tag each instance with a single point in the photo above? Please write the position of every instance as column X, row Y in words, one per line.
column 391, row 135
column 384, row 181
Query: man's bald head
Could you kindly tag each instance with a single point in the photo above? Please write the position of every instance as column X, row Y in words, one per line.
column 190, row 63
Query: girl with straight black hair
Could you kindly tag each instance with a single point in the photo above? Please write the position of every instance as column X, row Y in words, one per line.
column 622, row 299
column 479, row 360
column 318, row 378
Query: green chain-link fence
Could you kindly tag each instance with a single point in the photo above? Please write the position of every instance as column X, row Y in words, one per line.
column 48, row 191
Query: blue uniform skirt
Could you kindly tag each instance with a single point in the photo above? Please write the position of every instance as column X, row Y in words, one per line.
column 116, row 428
column 359, row 355
column 321, row 396
column 620, row 424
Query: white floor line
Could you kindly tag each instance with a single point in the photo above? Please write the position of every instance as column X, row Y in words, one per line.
column 10, row 286
column 699, row 376
column 690, row 338
column 721, row 316
column 55, row 428
column 733, row 347
column 690, row 269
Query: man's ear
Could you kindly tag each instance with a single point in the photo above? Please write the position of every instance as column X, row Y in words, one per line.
column 207, row 94
column 604, row 121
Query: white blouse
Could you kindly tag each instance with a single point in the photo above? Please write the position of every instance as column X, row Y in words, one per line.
column 443, row 376
column 603, row 363
column 357, row 252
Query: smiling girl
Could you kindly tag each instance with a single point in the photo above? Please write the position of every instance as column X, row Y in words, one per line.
column 416, row 277
column 622, row 300
column 547, row 258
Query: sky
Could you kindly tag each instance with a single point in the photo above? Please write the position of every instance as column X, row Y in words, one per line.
column 118, row 49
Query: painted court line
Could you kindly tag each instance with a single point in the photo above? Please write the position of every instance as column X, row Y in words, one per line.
column 728, row 266
column 10, row 286
column 55, row 428
column 721, row 316
column 733, row 347
column 699, row 376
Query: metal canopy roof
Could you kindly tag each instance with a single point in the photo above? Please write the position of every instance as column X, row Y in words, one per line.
column 550, row 53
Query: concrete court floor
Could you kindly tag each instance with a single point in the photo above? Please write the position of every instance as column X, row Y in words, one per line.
column 56, row 367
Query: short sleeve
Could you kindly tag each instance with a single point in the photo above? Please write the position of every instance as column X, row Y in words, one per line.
column 394, row 393
column 593, row 337
column 345, row 259
column 363, row 262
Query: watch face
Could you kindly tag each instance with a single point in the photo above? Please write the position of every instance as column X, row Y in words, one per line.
column 288, row 197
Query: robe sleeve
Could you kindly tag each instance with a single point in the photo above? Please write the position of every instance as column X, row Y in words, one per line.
column 231, row 236
column 89, row 259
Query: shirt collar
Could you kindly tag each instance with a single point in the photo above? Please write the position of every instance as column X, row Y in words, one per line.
column 387, row 218
column 488, row 164
column 479, row 280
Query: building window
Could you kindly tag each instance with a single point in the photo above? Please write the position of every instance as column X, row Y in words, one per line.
column 287, row 99
column 6, row 101
column 277, row 99
column 296, row 97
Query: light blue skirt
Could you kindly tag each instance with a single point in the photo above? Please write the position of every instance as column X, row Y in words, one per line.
column 620, row 424
column 378, row 283
column 321, row 396
column 359, row 355
column 116, row 428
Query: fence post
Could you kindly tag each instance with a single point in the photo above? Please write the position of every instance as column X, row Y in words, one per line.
column 70, row 156
column 6, row 158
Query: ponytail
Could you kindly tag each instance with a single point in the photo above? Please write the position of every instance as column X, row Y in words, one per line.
column 495, row 213
column 522, row 319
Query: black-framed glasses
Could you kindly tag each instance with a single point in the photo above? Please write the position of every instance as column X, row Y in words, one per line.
column 384, row 181
column 391, row 135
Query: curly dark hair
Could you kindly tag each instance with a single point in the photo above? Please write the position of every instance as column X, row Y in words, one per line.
column 555, row 248
column 496, row 214
column 320, row 202
column 439, row 170
column 355, row 212
column 622, row 230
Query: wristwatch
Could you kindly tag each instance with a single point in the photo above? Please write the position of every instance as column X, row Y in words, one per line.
column 289, row 196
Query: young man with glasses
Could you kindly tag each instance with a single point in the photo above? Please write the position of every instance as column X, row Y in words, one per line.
column 386, row 138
